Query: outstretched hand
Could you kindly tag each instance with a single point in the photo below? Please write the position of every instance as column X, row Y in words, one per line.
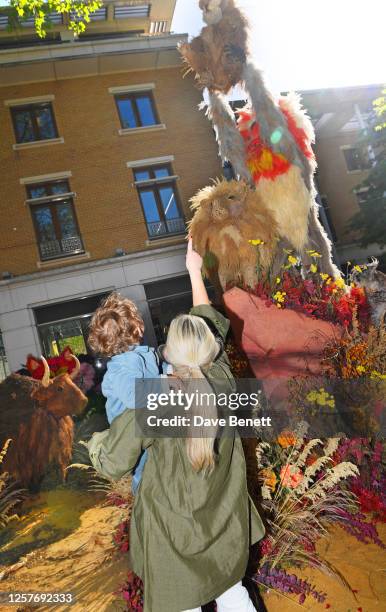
column 193, row 259
column 194, row 265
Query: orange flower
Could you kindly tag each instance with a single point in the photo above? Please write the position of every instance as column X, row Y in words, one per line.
column 290, row 476
column 286, row 439
column 268, row 478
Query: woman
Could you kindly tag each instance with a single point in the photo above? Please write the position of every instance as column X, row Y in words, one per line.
column 192, row 521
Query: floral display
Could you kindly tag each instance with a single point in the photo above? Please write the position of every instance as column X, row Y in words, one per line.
column 308, row 485
column 315, row 293
column 239, row 362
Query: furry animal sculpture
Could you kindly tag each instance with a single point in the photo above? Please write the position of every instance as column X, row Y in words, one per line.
column 217, row 56
column 374, row 281
column 227, row 215
column 270, row 146
column 36, row 415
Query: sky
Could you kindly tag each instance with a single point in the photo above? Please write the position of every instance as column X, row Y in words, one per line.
column 309, row 44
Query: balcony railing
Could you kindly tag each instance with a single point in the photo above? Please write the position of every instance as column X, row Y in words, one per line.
column 52, row 249
column 160, row 228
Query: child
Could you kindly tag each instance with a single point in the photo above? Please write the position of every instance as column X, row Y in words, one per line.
column 116, row 331
column 192, row 521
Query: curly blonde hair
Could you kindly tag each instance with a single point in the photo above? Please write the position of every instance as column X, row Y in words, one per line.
column 115, row 327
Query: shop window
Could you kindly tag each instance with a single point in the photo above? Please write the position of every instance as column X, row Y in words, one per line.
column 66, row 324
column 167, row 299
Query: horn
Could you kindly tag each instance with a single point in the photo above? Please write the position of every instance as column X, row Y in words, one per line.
column 76, row 371
column 46, row 375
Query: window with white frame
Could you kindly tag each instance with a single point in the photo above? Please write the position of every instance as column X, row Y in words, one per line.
column 54, row 218
column 136, row 109
column 157, row 191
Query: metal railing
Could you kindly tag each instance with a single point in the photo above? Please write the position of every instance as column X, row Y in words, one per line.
column 70, row 245
column 160, row 228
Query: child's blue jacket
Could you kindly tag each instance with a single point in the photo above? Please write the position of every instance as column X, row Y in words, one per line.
column 118, row 386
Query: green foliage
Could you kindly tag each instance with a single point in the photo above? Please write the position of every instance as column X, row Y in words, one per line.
column 370, row 221
column 79, row 12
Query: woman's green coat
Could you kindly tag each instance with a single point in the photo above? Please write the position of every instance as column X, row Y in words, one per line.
column 189, row 534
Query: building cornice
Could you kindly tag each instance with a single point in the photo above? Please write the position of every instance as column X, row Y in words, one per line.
column 82, row 49
column 145, row 256
column 86, row 59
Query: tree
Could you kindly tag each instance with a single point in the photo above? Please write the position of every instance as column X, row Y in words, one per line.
column 78, row 11
column 371, row 219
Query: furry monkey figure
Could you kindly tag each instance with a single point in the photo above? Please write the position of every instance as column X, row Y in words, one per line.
column 217, row 56
column 228, row 214
column 274, row 152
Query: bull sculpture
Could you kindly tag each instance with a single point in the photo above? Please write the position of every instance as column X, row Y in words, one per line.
column 36, row 415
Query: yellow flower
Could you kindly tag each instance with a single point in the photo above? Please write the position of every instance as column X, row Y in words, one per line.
column 339, row 282
column 256, row 242
column 269, row 478
column 292, row 260
column 313, row 268
column 321, row 397
column 278, row 280
column 360, row 369
column 279, row 296
column 376, row 374
column 313, row 253
column 323, row 276
column 357, row 268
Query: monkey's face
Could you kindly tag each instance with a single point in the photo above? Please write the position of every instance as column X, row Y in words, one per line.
column 211, row 9
column 223, row 201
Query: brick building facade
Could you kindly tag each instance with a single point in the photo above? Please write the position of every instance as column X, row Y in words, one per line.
column 102, row 145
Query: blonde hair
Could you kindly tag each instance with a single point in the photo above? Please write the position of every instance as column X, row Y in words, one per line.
column 190, row 348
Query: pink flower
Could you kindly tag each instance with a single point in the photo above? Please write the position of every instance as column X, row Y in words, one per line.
column 290, row 476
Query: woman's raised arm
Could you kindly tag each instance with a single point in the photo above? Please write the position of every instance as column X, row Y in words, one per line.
column 194, row 265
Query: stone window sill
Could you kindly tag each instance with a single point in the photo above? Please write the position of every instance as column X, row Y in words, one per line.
column 137, row 130
column 56, row 262
column 156, row 242
column 37, row 143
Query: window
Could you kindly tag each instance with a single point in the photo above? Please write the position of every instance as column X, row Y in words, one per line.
column 131, row 11
column 54, row 219
column 158, row 27
column 136, row 109
column 34, row 122
column 356, row 159
column 98, row 15
column 167, row 299
column 159, row 199
column 66, row 324
column 3, row 22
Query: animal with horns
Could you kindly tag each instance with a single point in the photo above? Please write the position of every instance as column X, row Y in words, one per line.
column 37, row 416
